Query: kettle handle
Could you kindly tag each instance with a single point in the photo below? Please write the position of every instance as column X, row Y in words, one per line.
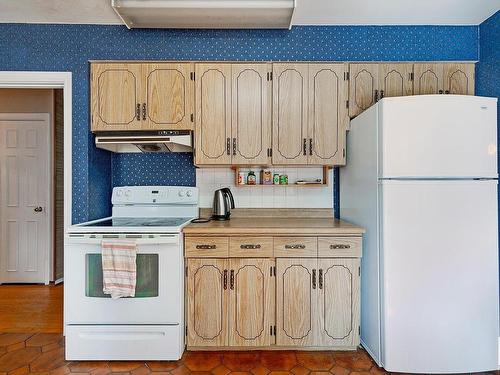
column 230, row 195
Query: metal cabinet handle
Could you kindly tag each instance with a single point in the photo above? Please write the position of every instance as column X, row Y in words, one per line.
column 249, row 246
column 38, row 209
column 447, row 91
column 231, row 282
column 228, row 146
column 381, row 94
column 310, row 146
column 225, row 279
column 144, row 111
column 138, row 112
column 375, row 98
column 320, row 278
column 305, row 146
column 440, row 91
column 234, row 146
column 206, row 247
column 314, row 279
column 340, row 246
column 295, row 246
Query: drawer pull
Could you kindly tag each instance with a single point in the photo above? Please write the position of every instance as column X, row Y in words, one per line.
column 206, row 247
column 231, row 280
column 314, row 279
column 225, row 279
column 296, row 246
column 320, row 278
column 333, row 247
column 249, row 246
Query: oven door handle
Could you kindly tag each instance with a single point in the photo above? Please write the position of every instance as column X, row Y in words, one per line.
column 139, row 240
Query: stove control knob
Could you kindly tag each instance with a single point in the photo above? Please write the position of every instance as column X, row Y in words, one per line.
column 182, row 193
column 119, row 193
column 189, row 193
column 127, row 193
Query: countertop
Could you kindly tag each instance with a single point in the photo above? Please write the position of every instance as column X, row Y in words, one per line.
column 284, row 223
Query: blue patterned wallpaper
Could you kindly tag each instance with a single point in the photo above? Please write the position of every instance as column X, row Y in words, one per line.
column 153, row 169
column 69, row 47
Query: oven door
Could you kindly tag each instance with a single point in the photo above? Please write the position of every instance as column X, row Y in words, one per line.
column 158, row 298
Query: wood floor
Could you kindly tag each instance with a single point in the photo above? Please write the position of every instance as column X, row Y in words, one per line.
column 31, row 342
column 31, row 308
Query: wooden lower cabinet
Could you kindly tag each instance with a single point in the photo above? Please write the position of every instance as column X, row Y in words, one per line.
column 317, row 302
column 266, row 302
column 230, row 302
column 251, row 302
column 207, row 302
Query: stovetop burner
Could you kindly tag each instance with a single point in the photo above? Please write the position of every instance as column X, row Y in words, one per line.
column 141, row 222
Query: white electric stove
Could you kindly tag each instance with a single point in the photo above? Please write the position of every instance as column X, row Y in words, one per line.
column 149, row 326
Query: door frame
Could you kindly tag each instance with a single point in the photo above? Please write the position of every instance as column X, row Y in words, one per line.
column 51, row 80
column 35, row 116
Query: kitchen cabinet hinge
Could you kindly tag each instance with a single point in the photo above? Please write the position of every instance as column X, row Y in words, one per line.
column 346, row 76
column 192, row 117
column 347, row 103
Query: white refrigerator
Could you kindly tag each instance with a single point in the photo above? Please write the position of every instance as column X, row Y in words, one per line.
column 421, row 177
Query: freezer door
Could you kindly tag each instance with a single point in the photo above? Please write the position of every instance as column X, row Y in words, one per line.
column 438, row 136
column 439, row 276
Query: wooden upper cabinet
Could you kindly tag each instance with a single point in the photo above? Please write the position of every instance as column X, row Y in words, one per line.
column 290, row 113
column 207, row 302
column 395, row 80
column 251, row 302
column 169, row 96
column 251, row 113
column 213, row 114
column 338, row 302
column 116, row 93
column 328, row 115
column 459, row 79
column 363, row 87
column 428, row 79
column 296, row 302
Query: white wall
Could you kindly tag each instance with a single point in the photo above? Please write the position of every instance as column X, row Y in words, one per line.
column 210, row 179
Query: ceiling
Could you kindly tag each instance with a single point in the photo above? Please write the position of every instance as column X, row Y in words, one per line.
column 308, row 12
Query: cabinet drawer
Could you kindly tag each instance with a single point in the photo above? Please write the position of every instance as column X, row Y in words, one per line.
column 289, row 247
column 342, row 247
column 206, row 247
column 254, row 247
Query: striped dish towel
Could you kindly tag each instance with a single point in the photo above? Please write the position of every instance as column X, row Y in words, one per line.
column 119, row 268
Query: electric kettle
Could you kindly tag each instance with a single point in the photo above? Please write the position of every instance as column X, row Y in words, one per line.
column 223, row 202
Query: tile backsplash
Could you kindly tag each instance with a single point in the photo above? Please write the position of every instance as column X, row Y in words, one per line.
column 210, row 179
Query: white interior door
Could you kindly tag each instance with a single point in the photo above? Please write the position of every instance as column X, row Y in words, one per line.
column 24, row 197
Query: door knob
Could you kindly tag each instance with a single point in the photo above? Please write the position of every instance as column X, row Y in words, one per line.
column 38, row 209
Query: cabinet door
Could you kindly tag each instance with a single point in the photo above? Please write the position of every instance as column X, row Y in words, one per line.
column 251, row 113
column 169, row 96
column 428, row 79
column 363, row 87
column 116, row 91
column 296, row 302
column 251, row 302
column 338, row 301
column 207, row 302
column 459, row 79
column 213, row 114
column 328, row 115
column 290, row 113
column 395, row 80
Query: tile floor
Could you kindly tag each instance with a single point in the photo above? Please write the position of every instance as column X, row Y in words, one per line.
column 43, row 354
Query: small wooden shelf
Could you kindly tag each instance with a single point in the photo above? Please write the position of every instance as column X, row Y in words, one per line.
column 324, row 183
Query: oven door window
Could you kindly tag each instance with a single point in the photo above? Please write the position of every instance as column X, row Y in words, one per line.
column 147, row 276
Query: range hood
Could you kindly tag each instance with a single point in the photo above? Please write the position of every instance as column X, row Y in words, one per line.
column 143, row 141
column 206, row 14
